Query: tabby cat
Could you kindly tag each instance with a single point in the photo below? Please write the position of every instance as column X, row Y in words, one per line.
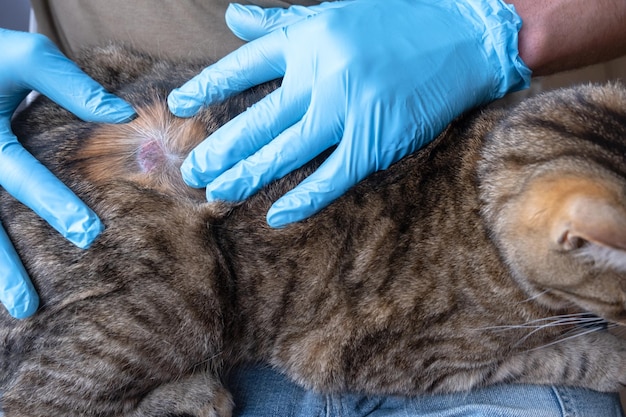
column 495, row 255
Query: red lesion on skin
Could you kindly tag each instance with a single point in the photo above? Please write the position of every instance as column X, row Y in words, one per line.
column 148, row 150
column 150, row 155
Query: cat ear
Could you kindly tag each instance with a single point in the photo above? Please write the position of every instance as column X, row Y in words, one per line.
column 595, row 217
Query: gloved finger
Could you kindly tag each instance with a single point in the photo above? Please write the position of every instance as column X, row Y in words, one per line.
column 241, row 137
column 35, row 186
column 250, row 22
column 17, row 293
column 292, row 149
column 252, row 64
column 367, row 145
column 339, row 172
column 78, row 93
column 61, row 80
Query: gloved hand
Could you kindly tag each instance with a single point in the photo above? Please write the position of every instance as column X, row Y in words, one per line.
column 379, row 79
column 31, row 62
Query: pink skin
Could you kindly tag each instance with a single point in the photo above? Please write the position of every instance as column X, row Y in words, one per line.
column 150, row 155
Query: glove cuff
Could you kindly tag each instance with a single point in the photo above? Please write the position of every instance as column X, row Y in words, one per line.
column 501, row 25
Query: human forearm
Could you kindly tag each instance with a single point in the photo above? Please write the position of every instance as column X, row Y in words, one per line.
column 559, row 35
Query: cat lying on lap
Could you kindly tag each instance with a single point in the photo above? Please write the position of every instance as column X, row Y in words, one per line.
column 495, row 255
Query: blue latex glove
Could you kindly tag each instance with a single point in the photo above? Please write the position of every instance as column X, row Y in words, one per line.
column 377, row 78
column 31, row 62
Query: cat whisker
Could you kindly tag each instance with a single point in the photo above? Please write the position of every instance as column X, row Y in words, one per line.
column 563, row 322
column 589, row 324
column 553, row 321
column 618, row 330
column 578, row 320
column 209, row 360
column 534, row 297
column 564, row 339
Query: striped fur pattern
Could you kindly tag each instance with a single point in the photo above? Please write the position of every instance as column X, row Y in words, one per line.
column 494, row 255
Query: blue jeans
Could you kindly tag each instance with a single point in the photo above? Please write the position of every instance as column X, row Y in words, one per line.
column 261, row 392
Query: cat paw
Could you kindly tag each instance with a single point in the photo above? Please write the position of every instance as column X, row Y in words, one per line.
column 199, row 395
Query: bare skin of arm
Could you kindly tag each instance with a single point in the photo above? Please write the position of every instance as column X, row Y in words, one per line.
column 560, row 35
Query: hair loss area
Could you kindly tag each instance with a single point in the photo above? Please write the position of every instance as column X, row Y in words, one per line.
column 148, row 150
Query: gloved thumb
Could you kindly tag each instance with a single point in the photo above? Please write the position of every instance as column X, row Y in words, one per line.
column 252, row 22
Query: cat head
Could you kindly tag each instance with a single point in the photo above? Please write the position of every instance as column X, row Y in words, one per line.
column 553, row 185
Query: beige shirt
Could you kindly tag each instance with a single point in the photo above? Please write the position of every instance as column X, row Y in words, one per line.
column 169, row 28
column 196, row 28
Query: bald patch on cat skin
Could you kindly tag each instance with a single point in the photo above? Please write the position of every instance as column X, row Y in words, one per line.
column 148, row 151
column 574, row 210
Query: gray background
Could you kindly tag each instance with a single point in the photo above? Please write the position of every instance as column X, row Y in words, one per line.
column 14, row 14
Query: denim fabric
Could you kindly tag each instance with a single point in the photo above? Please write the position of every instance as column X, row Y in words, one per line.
column 261, row 392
